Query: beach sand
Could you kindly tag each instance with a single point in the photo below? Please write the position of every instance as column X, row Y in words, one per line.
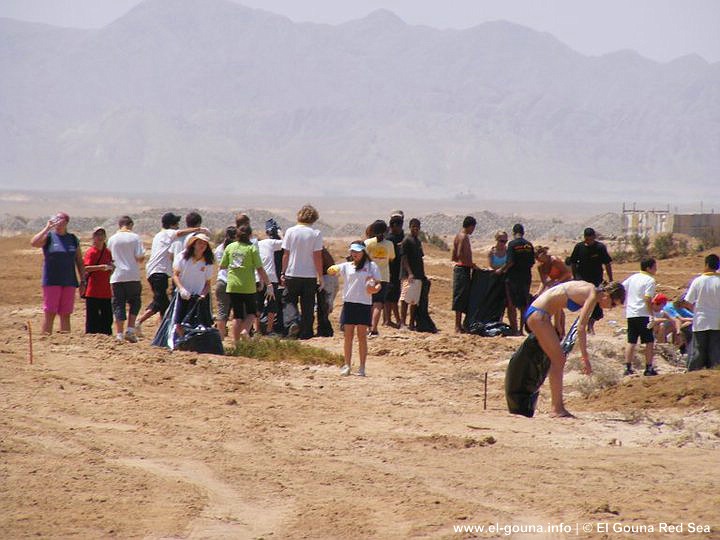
column 99, row 439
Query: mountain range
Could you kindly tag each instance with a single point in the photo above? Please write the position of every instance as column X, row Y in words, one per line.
column 196, row 95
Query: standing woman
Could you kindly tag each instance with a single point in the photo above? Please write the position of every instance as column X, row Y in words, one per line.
column 497, row 256
column 241, row 259
column 576, row 296
column 361, row 281
column 221, row 295
column 552, row 271
column 98, row 293
column 59, row 279
column 192, row 272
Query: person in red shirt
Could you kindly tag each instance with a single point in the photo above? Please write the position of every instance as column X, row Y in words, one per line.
column 98, row 267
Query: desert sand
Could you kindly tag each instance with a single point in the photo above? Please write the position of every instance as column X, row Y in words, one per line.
column 102, row 440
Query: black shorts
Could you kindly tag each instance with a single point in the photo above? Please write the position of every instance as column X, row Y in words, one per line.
column 353, row 313
column 243, row 305
column 461, row 288
column 518, row 292
column 159, row 285
column 393, row 292
column 126, row 292
column 637, row 328
column 272, row 303
column 381, row 295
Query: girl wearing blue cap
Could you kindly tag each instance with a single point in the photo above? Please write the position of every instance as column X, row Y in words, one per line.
column 361, row 279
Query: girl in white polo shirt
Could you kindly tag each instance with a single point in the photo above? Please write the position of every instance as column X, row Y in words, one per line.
column 361, row 280
column 192, row 272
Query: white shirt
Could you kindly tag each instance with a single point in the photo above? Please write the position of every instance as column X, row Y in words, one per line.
column 301, row 241
column 160, row 261
column 193, row 274
column 126, row 247
column 267, row 248
column 355, row 287
column 704, row 292
column 178, row 246
column 638, row 288
column 222, row 273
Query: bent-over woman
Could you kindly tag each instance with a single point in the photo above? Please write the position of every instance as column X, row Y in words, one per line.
column 576, row 296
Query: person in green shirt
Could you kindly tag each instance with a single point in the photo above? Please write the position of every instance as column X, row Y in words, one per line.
column 241, row 259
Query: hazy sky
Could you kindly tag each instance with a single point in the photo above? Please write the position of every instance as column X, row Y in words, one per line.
column 659, row 29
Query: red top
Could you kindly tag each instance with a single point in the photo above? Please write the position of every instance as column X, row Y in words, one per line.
column 99, row 281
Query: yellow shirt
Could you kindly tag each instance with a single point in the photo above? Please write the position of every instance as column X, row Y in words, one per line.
column 381, row 253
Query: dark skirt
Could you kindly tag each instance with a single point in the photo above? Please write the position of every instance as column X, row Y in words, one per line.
column 353, row 313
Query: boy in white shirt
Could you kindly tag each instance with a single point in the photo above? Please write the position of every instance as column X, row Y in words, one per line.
column 640, row 289
column 127, row 252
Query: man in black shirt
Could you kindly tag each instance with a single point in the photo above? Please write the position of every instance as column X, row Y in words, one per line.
column 520, row 260
column 587, row 261
column 412, row 273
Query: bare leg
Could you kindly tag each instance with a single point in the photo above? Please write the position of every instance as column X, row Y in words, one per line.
column 119, row 327
column 377, row 308
column 395, row 310
column 222, row 328
column 512, row 317
column 649, row 350
column 236, row 329
column 403, row 313
column 65, row 322
column 386, row 314
column 413, row 311
column 149, row 312
column 347, row 345
column 246, row 325
column 131, row 320
column 548, row 339
column 362, row 345
column 458, row 322
column 270, row 322
column 48, row 322
column 629, row 353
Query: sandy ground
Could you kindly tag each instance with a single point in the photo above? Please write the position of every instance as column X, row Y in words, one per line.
column 100, row 440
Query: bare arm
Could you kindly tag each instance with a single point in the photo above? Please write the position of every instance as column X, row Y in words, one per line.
column 585, row 312
column 608, row 269
column 79, row 262
column 39, row 239
column 317, row 259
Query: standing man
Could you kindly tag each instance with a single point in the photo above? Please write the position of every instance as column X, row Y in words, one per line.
column 302, row 268
column 159, row 267
column 127, row 253
column 382, row 253
column 462, row 257
column 412, row 273
column 703, row 297
column 517, row 268
column 640, row 289
column 587, row 261
column 193, row 220
column 396, row 236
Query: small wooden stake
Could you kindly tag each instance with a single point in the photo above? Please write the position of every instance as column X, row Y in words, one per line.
column 485, row 396
column 29, row 327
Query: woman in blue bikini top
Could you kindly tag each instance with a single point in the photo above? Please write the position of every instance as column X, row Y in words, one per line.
column 576, row 296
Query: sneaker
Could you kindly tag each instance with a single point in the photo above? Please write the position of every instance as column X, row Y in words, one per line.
column 119, row 338
column 130, row 336
column 361, row 372
column 345, row 371
column 293, row 330
column 650, row 371
column 374, row 333
column 628, row 371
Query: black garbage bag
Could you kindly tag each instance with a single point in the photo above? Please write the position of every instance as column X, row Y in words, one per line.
column 324, row 328
column 423, row 321
column 199, row 335
column 487, row 299
column 527, row 370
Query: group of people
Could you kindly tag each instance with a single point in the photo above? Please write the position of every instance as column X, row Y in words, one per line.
column 577, row 285
column 382, row 281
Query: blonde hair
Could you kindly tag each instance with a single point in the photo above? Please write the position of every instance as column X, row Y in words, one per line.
column 308, row 215
column 500, row 233
column 615, row 290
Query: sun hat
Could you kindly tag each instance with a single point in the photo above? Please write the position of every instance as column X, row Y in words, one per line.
column 198, row 236
column 660, row 299
column 357, row 247
column 98, row 229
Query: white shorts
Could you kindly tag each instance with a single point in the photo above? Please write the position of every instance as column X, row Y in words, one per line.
column 410, row 292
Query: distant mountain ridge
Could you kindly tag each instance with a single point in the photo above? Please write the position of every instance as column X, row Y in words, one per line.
column 209, row 93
